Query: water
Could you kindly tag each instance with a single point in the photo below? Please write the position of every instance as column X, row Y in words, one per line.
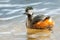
column 12, row 19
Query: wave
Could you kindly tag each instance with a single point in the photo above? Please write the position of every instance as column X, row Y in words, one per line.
column 13, row 11
column 51, row 12
column 1, row 14
column 20, row 5
column 9, row 18
column 4, row 0
column 39, row 10
column 22, row 11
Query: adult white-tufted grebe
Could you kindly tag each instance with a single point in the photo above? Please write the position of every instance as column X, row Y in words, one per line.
column 40, row 25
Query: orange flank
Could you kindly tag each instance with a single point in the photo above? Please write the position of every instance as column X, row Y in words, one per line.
column 44, row 24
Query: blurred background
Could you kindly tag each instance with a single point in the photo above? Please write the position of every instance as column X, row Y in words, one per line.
column 12, row 19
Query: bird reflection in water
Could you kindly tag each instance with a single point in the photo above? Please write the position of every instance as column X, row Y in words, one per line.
column 38, row 28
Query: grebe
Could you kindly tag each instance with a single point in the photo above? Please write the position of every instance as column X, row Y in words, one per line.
column 39, row 25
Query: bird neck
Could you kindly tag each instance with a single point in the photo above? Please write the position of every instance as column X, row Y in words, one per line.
column 29, row 17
